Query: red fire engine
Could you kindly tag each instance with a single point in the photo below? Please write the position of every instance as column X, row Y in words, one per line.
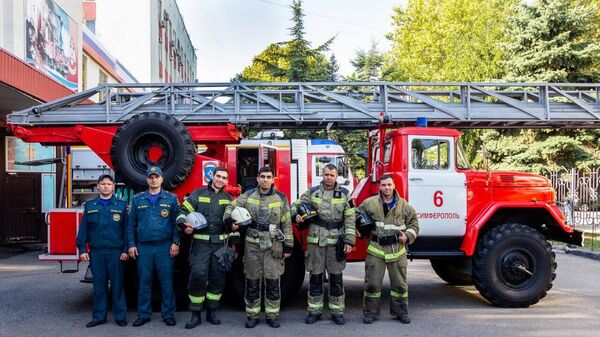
column 490, row 229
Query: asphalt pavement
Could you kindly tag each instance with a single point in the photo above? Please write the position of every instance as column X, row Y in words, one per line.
column 37, row 300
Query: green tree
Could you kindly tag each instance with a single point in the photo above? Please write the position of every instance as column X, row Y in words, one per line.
column 290, row 61
column 553, row 41
column 367, row 64
column 448, row 40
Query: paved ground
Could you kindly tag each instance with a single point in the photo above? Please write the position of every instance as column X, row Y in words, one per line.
column 36, row 300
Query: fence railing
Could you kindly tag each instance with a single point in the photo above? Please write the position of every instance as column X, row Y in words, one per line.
column 578, row 196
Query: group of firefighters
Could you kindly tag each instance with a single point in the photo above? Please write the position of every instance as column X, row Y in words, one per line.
column 149, row 231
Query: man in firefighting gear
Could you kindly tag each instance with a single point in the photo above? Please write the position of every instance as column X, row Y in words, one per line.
column 206, row 278
column 104, row 228
column 330, row 237
column 154, row 242
column 269, row 240
column 396, row 225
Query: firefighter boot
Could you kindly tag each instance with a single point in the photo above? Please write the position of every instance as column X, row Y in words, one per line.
column 273, row 322
column 194, row 321
column 403, row 318
column 312, row 318
column 211, row 316
column 251, row 322
column 338, row 319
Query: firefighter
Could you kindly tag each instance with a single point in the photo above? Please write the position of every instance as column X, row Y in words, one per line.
column 206, row 278
column 396, row 226
column 154, row 242
column 269, row 240
column 103, row 227
column 329, row 239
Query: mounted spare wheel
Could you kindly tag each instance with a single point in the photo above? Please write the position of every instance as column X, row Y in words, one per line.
column 157, row 139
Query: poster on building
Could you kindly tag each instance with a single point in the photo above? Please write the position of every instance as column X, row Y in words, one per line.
column 51, row 41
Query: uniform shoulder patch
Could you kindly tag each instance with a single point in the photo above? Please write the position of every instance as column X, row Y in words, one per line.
column 137, row 195
column 314, row 189
column 249, row 192
column 344, row 190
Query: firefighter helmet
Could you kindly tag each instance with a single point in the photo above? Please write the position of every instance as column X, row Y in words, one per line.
column 364, row 224
column 197, row 220
column 241, row 216
column 307, row 212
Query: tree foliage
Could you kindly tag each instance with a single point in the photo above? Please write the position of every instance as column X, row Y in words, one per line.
column 553, row 41
column 448, row 40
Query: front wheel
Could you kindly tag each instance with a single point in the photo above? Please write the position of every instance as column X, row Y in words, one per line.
column 514, row 266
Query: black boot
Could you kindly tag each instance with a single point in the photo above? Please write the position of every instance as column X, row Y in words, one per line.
column 251, row 322
column 212, row 317
column 194, row 321
column 312, row 318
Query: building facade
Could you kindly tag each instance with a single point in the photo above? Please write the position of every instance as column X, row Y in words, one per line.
column 157, row 29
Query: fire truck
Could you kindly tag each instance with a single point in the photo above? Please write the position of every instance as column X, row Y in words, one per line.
column 490, row 229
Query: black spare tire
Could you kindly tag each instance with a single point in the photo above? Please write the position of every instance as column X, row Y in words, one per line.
column 157, row 139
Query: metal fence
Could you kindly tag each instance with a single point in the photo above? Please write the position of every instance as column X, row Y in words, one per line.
column 578, row 196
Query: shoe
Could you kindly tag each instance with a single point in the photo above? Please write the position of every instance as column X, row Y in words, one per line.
column 170, row 321
column 312, row 318
column 141, row 321
column 368, row 320
column 121, row 323
column 403, row 318
column 93, row 323
column 212, row 317
column 273, row 322
column 338, row 319
column 195, row 320
column 251, row 322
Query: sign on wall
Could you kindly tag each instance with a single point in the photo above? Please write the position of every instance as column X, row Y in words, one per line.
column 51, row 41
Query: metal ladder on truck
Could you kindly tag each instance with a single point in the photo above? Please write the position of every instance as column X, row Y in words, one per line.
column 348, row 105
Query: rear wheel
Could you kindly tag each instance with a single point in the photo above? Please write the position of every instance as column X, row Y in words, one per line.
column 514, row 266
column 153, row 139
column 451, row 271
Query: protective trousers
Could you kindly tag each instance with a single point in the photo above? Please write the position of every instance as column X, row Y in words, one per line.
column 317, row 260
column 155, row 256
column 258, row 264
column 106, row 266
column 374, row 272
column 206, row 280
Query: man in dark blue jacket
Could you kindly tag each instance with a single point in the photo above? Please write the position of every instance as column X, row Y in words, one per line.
column 154, row 242
column 103, row 227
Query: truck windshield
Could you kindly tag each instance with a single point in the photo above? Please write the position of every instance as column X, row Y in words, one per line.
column 461, row 158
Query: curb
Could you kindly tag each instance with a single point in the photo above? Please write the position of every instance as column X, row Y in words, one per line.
column 579, row 252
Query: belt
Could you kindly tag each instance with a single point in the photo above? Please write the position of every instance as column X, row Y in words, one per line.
column 385, row 240
column 263, row 227
column 211, row 238
column 330, row 224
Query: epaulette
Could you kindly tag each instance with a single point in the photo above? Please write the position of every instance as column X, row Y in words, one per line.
column 314, row 189
column 344, row 190
column 282, row 195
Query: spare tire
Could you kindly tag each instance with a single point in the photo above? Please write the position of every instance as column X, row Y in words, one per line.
column 152, row 138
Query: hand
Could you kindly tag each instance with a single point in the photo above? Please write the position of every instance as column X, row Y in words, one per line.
column 403, row 237
column 174, row 251
column 133, row 252
column 84, row 257
column 124, row 257
column 234, row 227
column 347, row 249
column 188, row 228
column 299, row 219
column 286, row 255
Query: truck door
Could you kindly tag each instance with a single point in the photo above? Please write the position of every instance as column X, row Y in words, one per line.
column 435, row 189
column 278, row 159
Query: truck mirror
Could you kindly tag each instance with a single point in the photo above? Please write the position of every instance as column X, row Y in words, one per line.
column 363, row 154
column 324, row 159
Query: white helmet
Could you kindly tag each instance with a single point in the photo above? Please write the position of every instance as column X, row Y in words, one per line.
column 197, row 220
column 241, row 216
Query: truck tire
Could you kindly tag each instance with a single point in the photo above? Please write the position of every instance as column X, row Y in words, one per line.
column 131, row 146
column 513, row 266
column 449, row 271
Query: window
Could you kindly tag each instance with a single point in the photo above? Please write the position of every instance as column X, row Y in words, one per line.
column 102, row 79
column 339, row 162
column 84, row 72
column 430, row 154
column 19, row 151
column 387, row 152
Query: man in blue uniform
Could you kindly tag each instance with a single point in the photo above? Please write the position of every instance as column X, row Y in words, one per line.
column 103, row 227
column 154, row 242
